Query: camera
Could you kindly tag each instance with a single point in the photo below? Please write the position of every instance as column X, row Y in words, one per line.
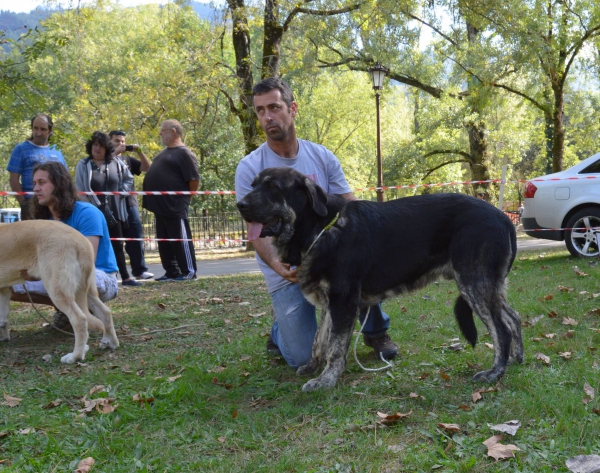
column 128, row 147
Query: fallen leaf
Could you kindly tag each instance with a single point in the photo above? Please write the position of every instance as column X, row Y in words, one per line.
column 579, row 272
column 443, row 375
column 257, row 315
column 225, row 385
column 489, row 345
column 53, row 404
column 565, row 289
column 11, row 401
column 222, row 439
column 139, row 398
column 102, row 405
column 47, row 358
column 568, row 334
column 85, row 465
column 174, row 378
column 27, row 431
column 594, row 311
column 245, row 358
column 161, row 306
column 449, row 427
column 543, row 358
column 584, row 464
column 569, row 321
column 509, row 427
column 549, row 335
column 3, row 434
column 97, row 389
column 589, row 391
column 498, row 451
column 535, row 320
column 549, row 297
column 552, row 314
column 565, row 355
column 476, row 396
column 413, row 395
column 390, row 419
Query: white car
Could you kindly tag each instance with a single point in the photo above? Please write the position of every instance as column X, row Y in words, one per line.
column 566, row 206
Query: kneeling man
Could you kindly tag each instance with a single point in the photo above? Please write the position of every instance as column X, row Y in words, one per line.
column 56, row 199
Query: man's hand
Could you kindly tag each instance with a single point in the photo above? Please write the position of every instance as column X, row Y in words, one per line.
column 25, row 275
column 285, row 271
column 119, row 149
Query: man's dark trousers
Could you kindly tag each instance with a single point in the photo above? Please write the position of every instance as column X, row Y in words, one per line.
column 178, row 258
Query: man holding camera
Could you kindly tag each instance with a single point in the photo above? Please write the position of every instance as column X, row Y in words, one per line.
column 135, row 249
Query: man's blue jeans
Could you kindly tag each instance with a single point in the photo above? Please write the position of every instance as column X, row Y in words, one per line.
column 296, row 324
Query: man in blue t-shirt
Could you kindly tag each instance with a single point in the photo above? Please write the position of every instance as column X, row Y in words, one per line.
column 27, row 155
column 56, row 199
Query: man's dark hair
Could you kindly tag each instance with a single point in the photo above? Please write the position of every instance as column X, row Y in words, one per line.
column 64, row 192
column 104, row 141
column 271, row 83
column 44, row 117
column 117, row 132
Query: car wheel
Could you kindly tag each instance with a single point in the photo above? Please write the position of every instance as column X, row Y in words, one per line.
column 582, row 241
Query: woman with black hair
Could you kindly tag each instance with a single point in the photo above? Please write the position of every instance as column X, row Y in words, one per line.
column 101, row 172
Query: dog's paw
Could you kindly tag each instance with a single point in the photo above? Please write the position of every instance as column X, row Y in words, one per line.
column 488, row 376
column 70, row 358
column 108, row 342
column 4, row 334
column 309, row 368
column 316, row 384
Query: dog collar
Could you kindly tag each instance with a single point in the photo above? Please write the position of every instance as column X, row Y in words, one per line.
column 327, row 227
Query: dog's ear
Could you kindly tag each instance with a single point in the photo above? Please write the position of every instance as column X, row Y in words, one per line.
column 317, row 197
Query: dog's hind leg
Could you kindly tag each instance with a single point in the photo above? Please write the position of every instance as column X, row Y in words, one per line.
column 109, row 339
column 513, row 320
column 490, row 309
column 320, row 342
column 333, row 345
column 4, row 310
column 78, row 320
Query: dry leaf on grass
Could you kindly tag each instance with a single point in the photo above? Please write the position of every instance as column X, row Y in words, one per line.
column 543, row 358
column 498, row 451
column 27, row 431
column 584, row 464
column 391, row 419
column 477, row 395
column 98, row 389
column 443, row 375
column 174, row 378
column 565, row 355
column 102, row 405
column 11, row 401
column 579, row 272
column 449, row 427
column 489, row 345
column 569, row 321
column 85, row 465
column 589, row 391
column 565, row 289
column 509, row 427
column 53, row 404
column 142, row 400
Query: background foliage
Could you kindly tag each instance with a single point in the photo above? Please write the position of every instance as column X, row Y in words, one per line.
column 469, row 92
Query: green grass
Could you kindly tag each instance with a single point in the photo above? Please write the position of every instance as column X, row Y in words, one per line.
column 235, row 409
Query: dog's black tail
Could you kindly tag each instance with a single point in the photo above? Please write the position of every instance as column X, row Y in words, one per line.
column 464, row 317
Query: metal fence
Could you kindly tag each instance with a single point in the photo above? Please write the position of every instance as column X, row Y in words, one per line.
column 210, row 230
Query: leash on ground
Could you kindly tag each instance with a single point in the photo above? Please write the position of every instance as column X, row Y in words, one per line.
column 387, row 363
column 44, row 318
column 124, row 335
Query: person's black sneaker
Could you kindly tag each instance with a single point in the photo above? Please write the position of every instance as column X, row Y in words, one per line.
column 60, row 321
column 272, row 349
column 164, row 278
column 381, row 345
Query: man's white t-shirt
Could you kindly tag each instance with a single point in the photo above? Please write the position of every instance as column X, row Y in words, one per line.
column 313, row 160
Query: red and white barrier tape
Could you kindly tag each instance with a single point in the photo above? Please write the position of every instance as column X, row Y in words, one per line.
column 359, row 189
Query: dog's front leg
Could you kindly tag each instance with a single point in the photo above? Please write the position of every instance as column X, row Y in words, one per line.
column 4, row 309
column 333, row 345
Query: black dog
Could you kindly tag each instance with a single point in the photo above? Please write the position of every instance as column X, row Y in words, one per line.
column 371, row 251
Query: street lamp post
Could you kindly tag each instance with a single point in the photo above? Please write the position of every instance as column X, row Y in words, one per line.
column 378, row 73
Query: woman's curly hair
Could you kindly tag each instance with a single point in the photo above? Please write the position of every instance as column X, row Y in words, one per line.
column 103, row 140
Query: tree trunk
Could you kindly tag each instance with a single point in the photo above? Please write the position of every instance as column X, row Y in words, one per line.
column 558, row 142
column 478, row 148
column 273, row 33
column 243, row 62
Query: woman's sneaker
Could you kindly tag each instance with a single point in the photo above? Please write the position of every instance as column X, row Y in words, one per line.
column 60, row 321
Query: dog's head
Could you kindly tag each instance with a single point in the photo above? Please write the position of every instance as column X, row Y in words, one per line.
column 277, row 199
